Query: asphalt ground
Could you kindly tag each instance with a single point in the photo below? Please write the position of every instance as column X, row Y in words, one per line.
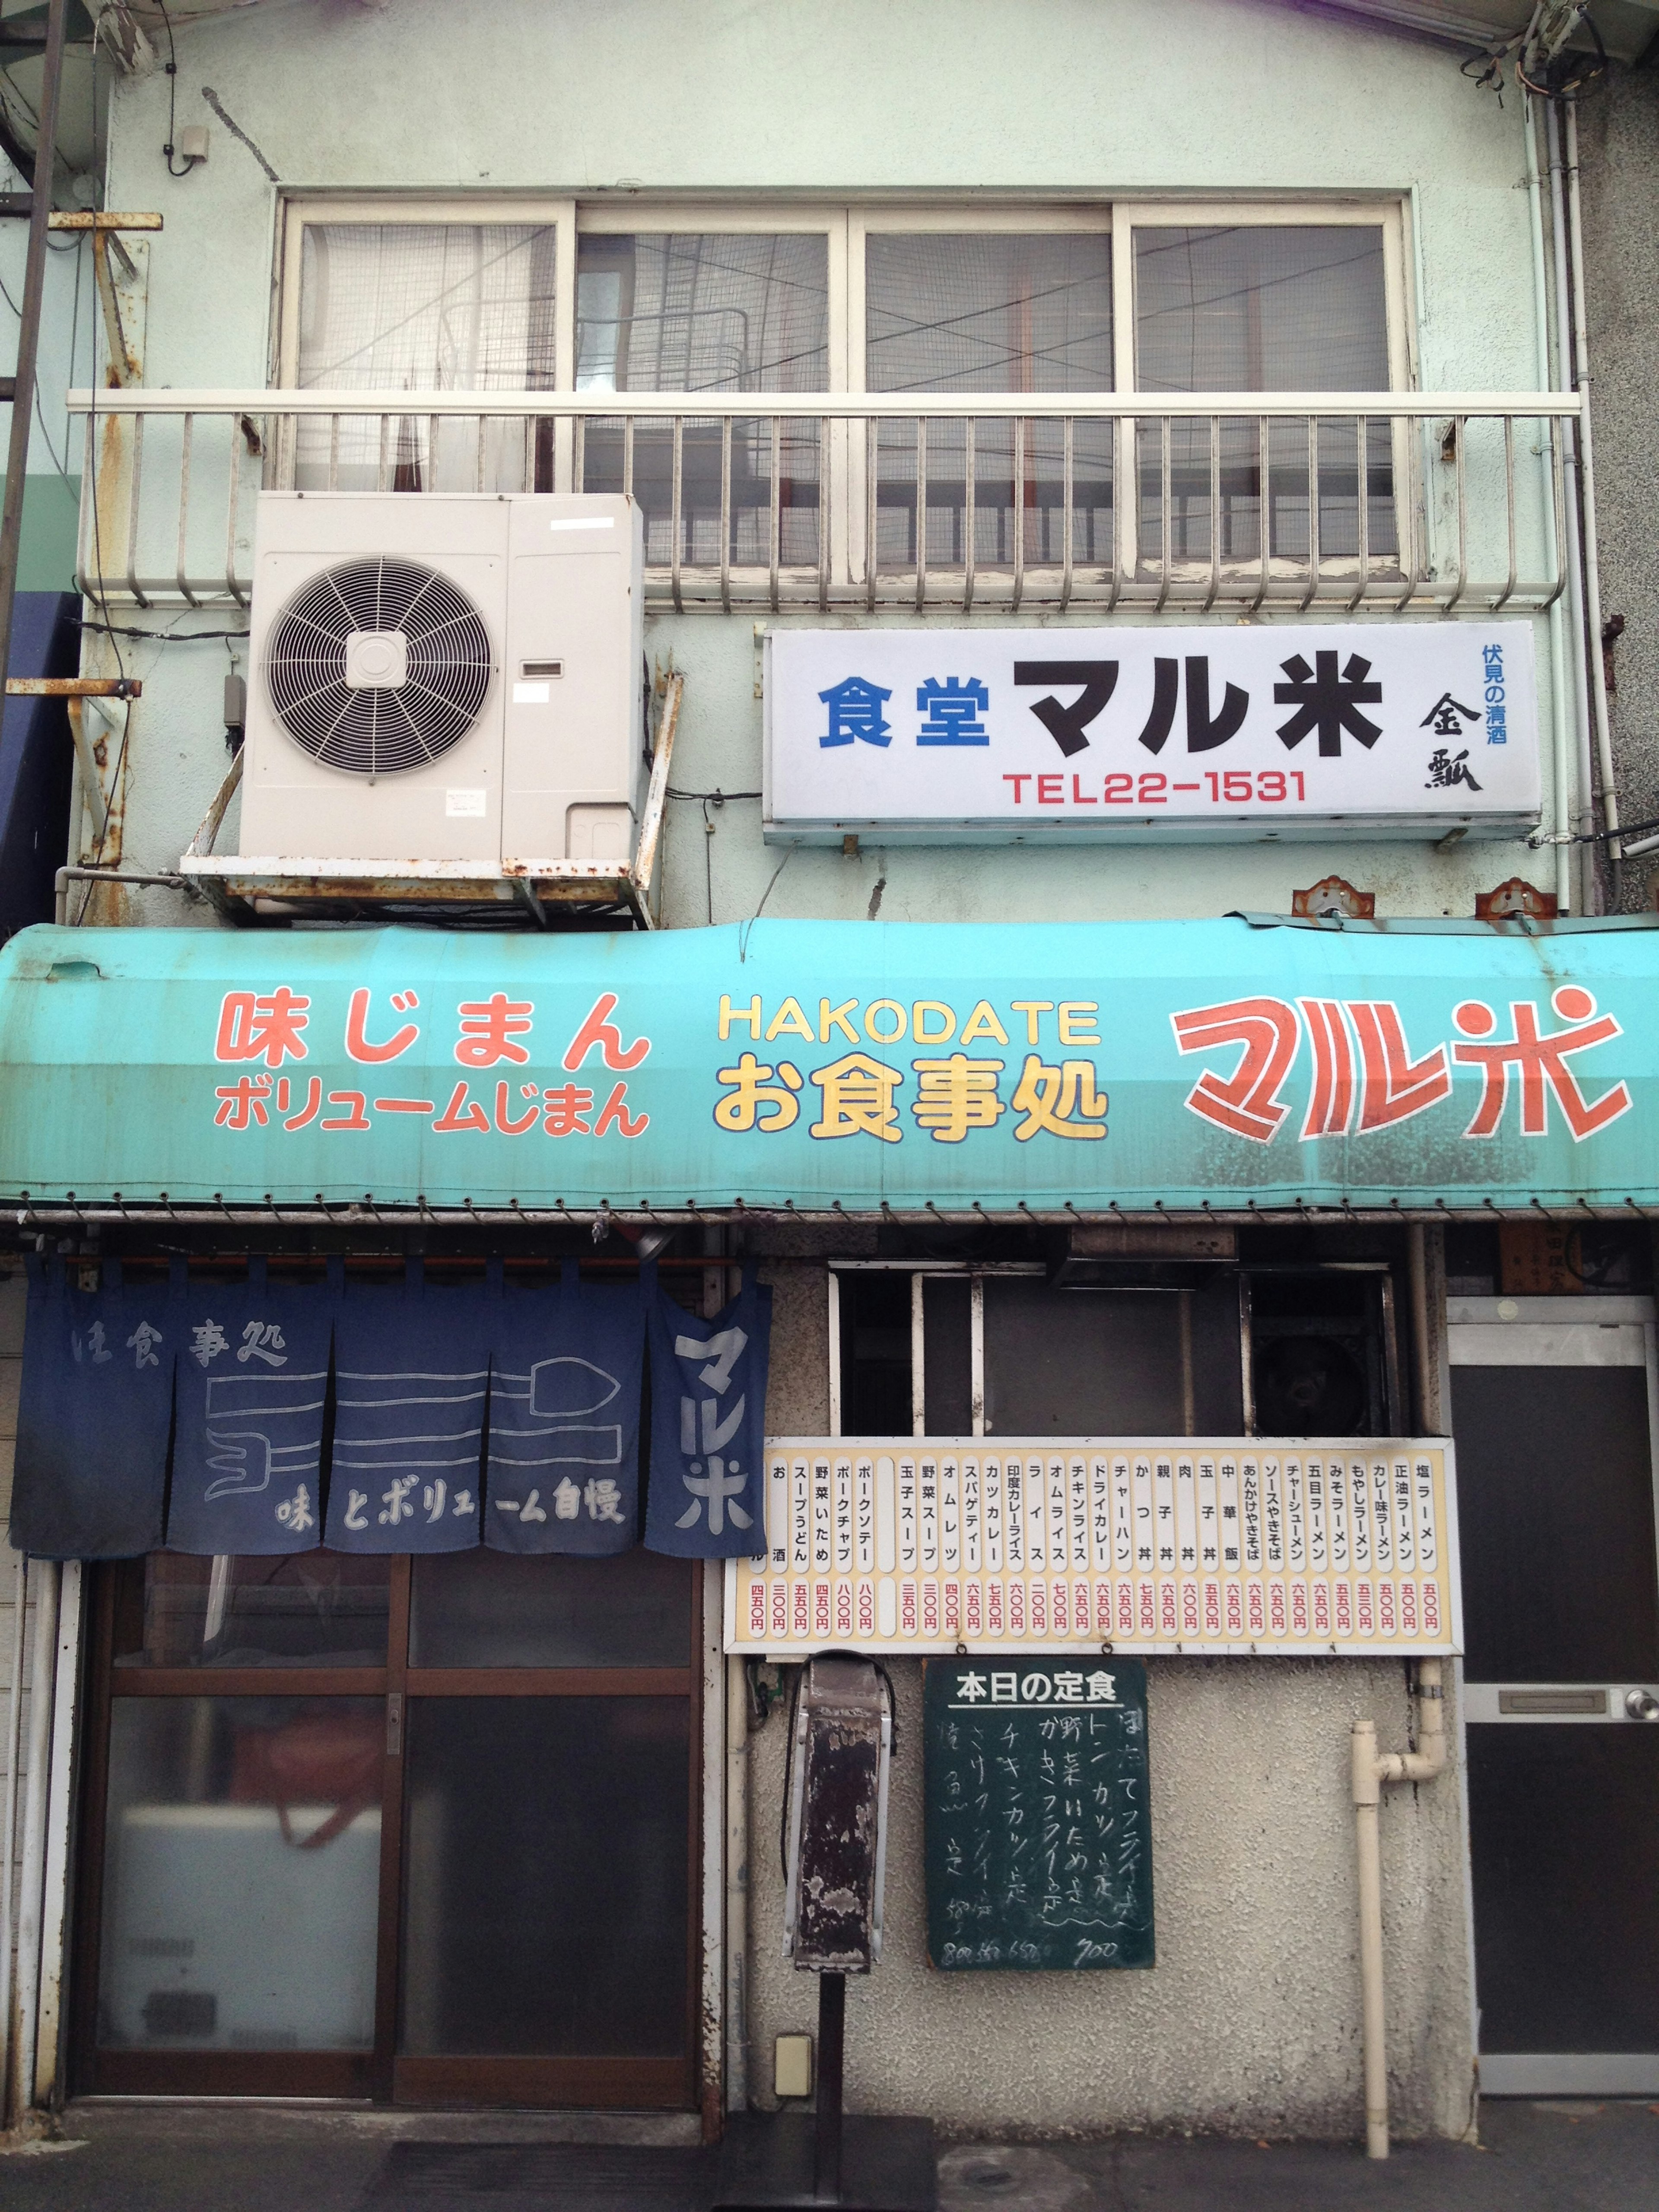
column 1555, row 2155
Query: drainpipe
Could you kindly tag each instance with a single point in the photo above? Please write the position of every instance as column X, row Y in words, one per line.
column 1371, row 1769
column 1565, row 381
column 1587, row 493
column 1561, row 745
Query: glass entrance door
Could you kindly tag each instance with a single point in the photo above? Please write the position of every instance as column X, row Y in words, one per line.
column 1553, row 1411
column 420, row 1830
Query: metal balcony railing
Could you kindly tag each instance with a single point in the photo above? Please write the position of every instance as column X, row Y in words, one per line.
column 970, row 502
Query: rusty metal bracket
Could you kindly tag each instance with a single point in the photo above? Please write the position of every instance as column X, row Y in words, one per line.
column 74, row 687
column 101, row 219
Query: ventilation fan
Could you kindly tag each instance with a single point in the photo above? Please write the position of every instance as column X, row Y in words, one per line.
column 379, row 665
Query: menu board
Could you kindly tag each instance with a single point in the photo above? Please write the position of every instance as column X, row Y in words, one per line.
column 1206, row 1544
column 1039, row 1833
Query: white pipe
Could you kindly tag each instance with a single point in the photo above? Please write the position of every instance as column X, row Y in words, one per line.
column 737, row 1888
column 1561, row 736
column 1563, row 377
column 14, row 1746
column 1587, row 492
column 1371, row 1770
column 27, row 1989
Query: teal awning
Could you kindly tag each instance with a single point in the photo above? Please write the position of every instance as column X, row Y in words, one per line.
column 1183, row 1065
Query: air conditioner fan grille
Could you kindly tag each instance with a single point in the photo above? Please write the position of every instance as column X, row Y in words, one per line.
column 377, row 732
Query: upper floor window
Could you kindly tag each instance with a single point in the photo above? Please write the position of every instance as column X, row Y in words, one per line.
column 626, row 297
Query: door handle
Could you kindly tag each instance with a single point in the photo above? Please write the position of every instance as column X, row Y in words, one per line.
column 1641, row 1705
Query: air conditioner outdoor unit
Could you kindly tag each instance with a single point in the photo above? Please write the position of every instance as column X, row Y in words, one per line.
column 445, row 677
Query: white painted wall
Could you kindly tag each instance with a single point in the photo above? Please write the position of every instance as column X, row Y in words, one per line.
column 443, row 96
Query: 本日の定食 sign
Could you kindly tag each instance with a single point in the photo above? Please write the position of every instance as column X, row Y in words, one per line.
column 1416, row 728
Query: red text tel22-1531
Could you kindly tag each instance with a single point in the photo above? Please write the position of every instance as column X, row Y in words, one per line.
column 1269, row 786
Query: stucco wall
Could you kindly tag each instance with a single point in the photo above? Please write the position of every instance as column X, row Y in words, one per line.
column 1249, row 2022
column 1202, row 96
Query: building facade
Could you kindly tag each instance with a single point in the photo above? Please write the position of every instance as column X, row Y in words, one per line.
column 1145, row 1003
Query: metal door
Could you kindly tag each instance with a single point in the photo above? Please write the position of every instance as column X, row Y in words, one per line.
column 1553, row 1410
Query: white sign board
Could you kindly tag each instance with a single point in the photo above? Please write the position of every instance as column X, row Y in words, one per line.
column 1240, row 731
column 1224, row 1545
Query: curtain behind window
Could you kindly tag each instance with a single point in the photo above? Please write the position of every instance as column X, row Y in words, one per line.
column 990, row 313
column 424, row 307
column 1264, row 307
column 708, row 312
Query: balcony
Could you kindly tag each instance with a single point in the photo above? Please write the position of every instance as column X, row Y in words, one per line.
column 1243, row 503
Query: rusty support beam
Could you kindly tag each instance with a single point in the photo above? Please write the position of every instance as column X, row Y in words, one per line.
column 102, row 219
column 74, row 687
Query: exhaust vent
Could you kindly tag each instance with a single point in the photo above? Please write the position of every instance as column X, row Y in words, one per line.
column 332, row 659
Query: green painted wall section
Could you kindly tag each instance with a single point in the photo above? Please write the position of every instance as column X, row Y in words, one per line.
column 51, row 509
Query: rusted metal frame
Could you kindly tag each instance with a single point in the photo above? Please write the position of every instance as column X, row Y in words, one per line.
column 677, row 514
column 232, row 497
column 656, row 798
column 1415, row 513
column 871, row 512
column 1019, row 514
column 74, row 687
column 921, row 512
column 208, row 828
column 1118, row 435
column 101, row 219
column 774, row 512
column 1313, row 514
column 86, row 520
column 161, row 879
column 1362, row 510
column 1166, row 519
column 725, row 514
column 1460, row 427
column 969, row 519
column 1215, row 513
column 186, row 443
column 1508, row 591
column 1067, row 470
column 35, row 1215
column 1556, row 433
column 133, row 492
column 383, row 472
column 825, row 439
column 1404, row 406
column 525, row 891
column 1263, row 506
column 55, row 1918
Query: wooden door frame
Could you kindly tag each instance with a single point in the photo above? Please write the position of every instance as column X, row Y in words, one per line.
column 379, row 2075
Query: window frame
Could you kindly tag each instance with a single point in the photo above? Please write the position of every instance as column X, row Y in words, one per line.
column 847, row 223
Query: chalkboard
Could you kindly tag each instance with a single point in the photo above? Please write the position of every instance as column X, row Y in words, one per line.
column 1039, row 1843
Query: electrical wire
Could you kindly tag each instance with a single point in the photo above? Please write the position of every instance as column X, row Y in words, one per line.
column 160, row 636
column 171, row 65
